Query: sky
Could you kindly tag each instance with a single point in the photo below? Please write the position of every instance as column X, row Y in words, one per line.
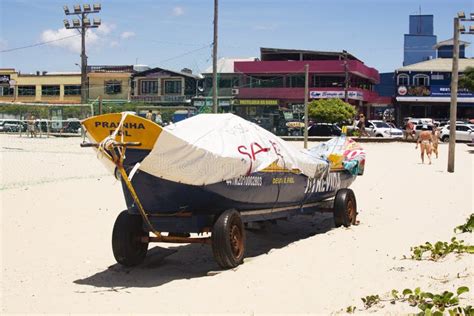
column 175, row 34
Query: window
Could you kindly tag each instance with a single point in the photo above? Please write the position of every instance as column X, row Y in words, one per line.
column 403, row 80
column 149, row 87
column 462, row 128
column 225, row 83
column 421, row 80
column 26, row 90
column 72, row 90
column 50, row 90
column 266, row 82
column 172, row 87
column 113, row 87
column 296, row 81
column 4, row 91
column 328, row 81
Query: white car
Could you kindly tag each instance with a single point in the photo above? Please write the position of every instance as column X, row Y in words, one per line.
column 463, row 132
column 382, row 129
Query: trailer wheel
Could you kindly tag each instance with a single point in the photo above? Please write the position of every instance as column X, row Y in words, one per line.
column 345, row 208
column 228, row 239
column 127, row 245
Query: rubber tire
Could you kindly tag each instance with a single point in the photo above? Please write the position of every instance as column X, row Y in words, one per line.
column 221, row 244
column 445, row 139
column 379, row 135
column 341, row 218
column 127, row 246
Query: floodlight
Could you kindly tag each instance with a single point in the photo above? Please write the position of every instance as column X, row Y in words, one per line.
column 461, row 15
column 462, row 28
column 87, row 7
column 76, row 22
column 96, row 22
column 97, row 6
column 66, row 9
column 86, row 22
column 77, row 8
column 66, row 24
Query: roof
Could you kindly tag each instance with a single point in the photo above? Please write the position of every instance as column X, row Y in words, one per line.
column 439, row 64
column 450, row 42
column 152, row 70
column 226, row 64
column 311, row 54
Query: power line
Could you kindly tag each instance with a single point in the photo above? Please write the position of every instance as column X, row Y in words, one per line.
column 37, row 44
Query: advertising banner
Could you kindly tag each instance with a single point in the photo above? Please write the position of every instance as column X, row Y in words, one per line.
column 355, row 95
column 445, row 91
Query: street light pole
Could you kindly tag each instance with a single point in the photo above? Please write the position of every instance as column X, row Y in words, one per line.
column 454, row 97
column 81, row 26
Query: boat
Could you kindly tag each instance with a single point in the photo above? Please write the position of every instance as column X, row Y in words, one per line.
column 204, row 179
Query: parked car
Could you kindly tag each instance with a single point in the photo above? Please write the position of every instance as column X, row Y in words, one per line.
column 463, row 132
column 12, row 125
column 382, row 129
column 324, row 129
column 71, row 126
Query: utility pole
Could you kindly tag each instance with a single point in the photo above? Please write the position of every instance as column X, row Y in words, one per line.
column 454, row 97
column 82, row 25
column 458, row 29
column 214, row 60
column 306, row 84
column 346, row 78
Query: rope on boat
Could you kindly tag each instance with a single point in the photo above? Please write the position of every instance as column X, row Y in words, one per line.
column 108, row 143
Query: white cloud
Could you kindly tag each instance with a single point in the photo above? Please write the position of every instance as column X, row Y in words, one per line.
column 105, row 28
column 114, row 44
column 178, row 11
column 127, row 34
column 73, row 43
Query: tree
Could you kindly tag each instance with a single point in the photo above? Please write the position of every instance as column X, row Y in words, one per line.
column 466, row 81
column 331, row 111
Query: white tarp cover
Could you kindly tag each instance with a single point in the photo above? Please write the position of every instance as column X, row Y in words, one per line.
column 209, row 148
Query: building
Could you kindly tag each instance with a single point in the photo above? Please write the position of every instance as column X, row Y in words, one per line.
column 112, row 83
column 228, row 83
column 159, row 86
column 277, row 80
column 419, row 42
column 424, row 90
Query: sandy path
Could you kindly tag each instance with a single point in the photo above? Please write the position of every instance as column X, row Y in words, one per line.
column 58, row 208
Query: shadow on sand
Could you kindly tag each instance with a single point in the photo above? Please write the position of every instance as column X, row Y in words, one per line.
column 163, row 265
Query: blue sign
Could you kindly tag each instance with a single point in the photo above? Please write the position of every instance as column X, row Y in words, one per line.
column 445, row 91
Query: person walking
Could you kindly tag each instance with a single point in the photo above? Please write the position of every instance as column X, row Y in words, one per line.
column 149, row 115
column 361, row 126
column 425, row 143
column 31, row 126
column 435, row 140
column 410, row 130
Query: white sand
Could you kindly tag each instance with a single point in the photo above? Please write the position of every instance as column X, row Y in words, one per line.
column 59, row 206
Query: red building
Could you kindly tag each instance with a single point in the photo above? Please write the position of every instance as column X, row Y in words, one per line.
column 278, row 79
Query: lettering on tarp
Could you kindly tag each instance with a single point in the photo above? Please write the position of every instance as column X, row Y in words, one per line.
column 332, row 182
column 253, row 153
column 251, row 181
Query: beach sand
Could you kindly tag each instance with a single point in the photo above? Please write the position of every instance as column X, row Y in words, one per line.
column 58, row 206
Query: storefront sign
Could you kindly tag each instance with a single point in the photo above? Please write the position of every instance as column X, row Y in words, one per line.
column 255, row 102
column 208, row 102
column 355, row 95
column 445, row 91
column 402, row 90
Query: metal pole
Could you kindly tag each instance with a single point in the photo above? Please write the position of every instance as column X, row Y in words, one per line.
column 83, row 61
column 454, row 97
column 346, row 78
column 306, row 77
column 214, row 60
